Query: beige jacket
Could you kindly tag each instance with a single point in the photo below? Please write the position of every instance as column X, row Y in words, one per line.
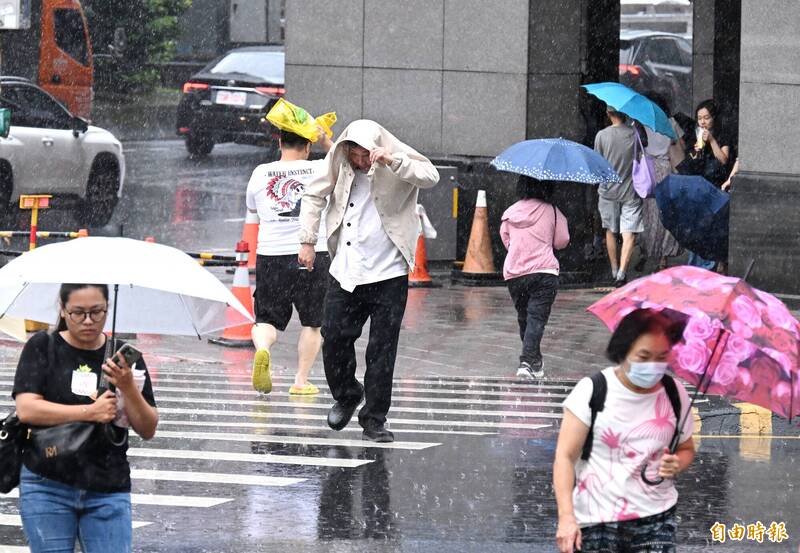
column 394, row 189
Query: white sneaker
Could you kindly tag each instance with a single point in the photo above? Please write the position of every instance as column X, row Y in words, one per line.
column 526, row 371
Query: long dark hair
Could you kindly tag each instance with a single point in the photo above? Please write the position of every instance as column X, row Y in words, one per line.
column 713, row 110
column 637, row 323
column 531, row 188
column 64, row 293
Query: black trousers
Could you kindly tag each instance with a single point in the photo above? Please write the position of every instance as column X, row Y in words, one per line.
column 384, row 304
column 533, row 297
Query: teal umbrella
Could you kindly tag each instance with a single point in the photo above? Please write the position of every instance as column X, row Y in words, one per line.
column 632, row 104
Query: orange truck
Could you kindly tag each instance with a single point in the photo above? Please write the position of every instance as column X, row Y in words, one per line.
column 54, row 51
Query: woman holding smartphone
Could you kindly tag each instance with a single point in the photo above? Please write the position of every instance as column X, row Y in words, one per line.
column 86, row 497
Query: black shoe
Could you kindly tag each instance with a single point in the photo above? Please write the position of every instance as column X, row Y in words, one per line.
column 378, row 434
column 620, row 282
column 341, row 413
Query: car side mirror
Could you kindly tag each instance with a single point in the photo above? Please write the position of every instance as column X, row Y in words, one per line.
column 5, row 122
column 79, row 125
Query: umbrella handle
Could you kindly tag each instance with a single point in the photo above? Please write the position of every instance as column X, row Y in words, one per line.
column 647, row 481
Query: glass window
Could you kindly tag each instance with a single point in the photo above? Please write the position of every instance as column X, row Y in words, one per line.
column 662, row 51
column 626, row 48
column 71, row 35
column 264, row 66
column 31, row 107
column 685, row 52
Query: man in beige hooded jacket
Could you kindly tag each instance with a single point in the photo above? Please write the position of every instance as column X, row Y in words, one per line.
column 370, row 191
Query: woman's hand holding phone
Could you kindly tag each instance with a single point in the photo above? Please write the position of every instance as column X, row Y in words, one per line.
column 118, row 369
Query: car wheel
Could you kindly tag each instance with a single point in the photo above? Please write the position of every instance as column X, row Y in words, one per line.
column 199, row 145
column 101, row 194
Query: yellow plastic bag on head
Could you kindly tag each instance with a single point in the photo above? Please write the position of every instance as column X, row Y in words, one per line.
column 289, row 117
column 326, row 121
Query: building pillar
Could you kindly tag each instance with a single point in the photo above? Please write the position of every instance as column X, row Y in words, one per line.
column 765, row 219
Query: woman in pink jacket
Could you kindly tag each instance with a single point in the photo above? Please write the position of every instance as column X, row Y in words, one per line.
column 531, row 230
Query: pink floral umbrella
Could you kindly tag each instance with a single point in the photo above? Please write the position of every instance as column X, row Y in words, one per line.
column 738, row 342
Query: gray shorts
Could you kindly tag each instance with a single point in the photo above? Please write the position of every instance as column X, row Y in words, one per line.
column 624, row 216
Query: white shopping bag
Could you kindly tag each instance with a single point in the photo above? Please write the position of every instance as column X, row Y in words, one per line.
column 426, row 228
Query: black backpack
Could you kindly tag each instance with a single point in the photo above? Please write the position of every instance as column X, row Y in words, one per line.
column 598, row 402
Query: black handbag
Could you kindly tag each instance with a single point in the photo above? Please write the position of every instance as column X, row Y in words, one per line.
column 52, row 447
column 12, row 432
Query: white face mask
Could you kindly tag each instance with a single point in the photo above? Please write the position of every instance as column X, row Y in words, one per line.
column 646, row 375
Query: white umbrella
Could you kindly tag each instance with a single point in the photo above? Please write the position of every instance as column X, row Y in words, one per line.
column 161, row 290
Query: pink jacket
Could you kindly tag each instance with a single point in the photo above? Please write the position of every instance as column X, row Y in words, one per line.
column 531, row 230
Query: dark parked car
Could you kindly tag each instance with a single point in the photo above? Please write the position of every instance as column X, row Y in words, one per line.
column 228, row 100
column 660, row 62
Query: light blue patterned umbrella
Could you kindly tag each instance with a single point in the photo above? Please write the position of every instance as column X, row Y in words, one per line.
column 556, row 159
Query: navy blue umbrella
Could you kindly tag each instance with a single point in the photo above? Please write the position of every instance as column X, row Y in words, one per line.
column 696, row 213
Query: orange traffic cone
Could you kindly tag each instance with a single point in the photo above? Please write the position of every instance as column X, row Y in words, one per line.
column 239, row 336
column 250, row 235
column 419, row 277
column 479, row 269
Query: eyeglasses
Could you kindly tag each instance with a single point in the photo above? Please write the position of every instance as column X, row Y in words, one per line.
column 96, row 315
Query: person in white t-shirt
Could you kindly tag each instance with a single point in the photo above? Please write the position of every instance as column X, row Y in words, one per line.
column 622, row 498
column 274, row 192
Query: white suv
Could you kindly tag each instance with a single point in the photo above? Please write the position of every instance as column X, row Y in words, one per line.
column 50, row 151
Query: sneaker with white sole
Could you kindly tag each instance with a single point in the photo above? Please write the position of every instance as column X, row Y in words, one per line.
column 525, row 370
column 262, row 372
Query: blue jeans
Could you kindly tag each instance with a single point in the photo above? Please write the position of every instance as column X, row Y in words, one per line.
column 697, row 261
column 54, row 514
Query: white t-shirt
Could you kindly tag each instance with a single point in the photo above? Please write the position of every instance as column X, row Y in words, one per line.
column 364, row 253
column 632, row 429
column 275, row 191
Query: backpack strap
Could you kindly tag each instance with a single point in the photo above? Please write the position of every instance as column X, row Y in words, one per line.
column 596, row 403
column 675, row 400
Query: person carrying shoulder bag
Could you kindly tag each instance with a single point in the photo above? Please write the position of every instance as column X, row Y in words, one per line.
column 82, row 494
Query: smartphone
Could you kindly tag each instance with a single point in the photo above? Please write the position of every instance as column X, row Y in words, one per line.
column 130, row 353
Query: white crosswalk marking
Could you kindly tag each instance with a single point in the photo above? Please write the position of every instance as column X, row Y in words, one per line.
column 243, row 457
column 395, row 409
column 514, row 401
column 156, row 499
column 213, row 477
column 392, row 422
column 474, row 384
column 304, row 440
column 15, row 520
column 307, row 428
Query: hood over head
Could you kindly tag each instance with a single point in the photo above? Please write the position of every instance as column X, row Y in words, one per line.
column 369, row 135
column 531, row 213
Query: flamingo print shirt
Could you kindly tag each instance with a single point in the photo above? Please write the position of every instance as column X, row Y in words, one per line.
column 631, row 432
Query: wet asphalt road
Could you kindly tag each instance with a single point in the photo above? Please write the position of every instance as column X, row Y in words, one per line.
column 232, row 471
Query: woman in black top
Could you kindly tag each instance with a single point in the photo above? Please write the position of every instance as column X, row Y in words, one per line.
column 708, row 153
column 88, row 496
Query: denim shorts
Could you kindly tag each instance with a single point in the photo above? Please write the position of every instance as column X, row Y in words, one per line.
column 54, row 515
column 653, row 534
